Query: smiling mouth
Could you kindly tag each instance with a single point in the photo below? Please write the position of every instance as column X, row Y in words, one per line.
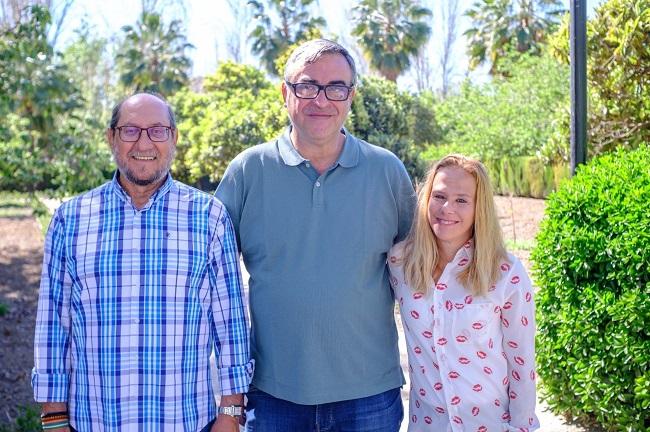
column 144, row 158
column 446, row 222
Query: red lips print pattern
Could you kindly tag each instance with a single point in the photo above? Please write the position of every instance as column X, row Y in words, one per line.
column 476, row 348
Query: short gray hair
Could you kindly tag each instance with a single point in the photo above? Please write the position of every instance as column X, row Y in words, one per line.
column 310, row 51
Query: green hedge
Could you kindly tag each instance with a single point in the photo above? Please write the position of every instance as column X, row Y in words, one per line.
column 524, row 176
column 592, row 264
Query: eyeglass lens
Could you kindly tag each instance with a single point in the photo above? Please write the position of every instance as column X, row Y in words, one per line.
column 155, row 133
column 332, row 92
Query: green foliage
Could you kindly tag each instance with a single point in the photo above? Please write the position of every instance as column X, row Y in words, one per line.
column 43, row 139
column 508, row 117
column 29, row 420
column 390, row 33
column 152, row 57
column 618, row 55
column 501, row 26
column 239, row 109
column 592, row 262
column 273, row 37
column 396, row 120
column 526, row 176
column 281, row 60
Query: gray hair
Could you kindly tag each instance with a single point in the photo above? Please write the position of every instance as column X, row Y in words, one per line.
column 115, row 115
column 310, row 51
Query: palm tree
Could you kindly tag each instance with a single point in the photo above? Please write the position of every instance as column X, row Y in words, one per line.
column 390, row 33
column 294, row 24
column 152, row 57
column 501, row 25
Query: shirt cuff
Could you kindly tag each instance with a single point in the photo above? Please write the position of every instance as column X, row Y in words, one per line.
column 236, row 379
column 50, row 387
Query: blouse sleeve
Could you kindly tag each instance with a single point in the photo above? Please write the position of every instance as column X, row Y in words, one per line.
column 518, row 326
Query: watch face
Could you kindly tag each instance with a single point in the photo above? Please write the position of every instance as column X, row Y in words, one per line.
column 232, row 410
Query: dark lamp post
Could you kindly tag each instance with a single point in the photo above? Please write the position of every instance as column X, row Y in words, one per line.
column 578, row 45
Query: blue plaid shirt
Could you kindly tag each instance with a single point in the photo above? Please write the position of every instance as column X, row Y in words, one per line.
column 131, row 304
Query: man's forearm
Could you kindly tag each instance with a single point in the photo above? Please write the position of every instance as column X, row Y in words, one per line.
column 48, row 407
column 236, row 399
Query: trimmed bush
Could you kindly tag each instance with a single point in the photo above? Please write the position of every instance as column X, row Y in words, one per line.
column 592, row 264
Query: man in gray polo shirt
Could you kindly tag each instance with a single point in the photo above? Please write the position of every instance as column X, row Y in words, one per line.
column 315, row 212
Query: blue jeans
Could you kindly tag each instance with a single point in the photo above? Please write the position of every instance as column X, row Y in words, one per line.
column 378, row 413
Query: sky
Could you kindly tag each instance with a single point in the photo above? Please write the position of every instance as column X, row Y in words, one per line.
column 208, row 22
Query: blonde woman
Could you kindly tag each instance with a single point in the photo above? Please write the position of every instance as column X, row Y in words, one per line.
column 467, row 309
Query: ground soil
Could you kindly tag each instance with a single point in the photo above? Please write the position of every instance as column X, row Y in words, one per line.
column 21, row 252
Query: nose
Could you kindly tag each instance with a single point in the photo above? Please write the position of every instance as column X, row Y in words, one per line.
column 321, row 99
column 144, row 139
column 446, row 206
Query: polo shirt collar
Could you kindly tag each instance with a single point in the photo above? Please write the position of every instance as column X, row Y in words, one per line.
column 348, row 158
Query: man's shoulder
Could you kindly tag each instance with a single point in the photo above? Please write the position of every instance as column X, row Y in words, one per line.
column 185, row 192
column 376, row 152
column 84, row 199
column 257, row 152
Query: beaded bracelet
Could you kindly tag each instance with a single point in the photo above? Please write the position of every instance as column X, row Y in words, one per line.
column 55, row 420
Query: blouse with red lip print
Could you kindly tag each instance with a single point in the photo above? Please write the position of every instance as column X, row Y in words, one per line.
column 471, row 358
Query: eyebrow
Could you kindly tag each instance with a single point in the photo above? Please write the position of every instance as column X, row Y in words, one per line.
column 443, row 192
column 335, row 82
column 150, row 125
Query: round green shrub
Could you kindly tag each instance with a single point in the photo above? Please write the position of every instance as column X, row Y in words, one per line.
column 592, row 266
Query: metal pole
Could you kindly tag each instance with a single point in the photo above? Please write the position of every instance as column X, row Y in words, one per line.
column 578, row 42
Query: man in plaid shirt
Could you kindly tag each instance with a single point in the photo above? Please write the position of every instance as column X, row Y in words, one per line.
column 140, row 283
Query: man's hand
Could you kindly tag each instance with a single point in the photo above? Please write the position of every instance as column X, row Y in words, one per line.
column 225, row 423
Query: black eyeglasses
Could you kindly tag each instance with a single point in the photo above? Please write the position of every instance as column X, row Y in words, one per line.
column 132, row 133
column 333, row 92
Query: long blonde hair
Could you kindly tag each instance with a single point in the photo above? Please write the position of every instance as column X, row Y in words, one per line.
column 420, row 255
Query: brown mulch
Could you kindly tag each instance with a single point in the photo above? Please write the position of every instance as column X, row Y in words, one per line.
column 520, row 218
column 21, row 254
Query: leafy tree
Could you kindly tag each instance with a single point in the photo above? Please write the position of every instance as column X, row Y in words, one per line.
column 86, row 58
column 152, row 56
column 281, row 60
column 88, row 157
column 508, row 117
column 391, row 32
column 393, row 119
column 499, row 26
column 271, row 38
column 36, row 95
column 240, row 108
column 618, row 75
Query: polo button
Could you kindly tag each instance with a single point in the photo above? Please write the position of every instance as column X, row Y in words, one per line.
column 317, row 184
column 308, row 164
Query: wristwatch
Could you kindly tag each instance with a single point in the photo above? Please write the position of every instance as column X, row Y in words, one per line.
column 232, row 410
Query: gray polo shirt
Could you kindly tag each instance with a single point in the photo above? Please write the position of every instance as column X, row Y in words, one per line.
column 315, row 247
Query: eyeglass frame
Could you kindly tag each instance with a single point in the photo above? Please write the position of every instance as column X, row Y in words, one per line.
column 322, row 88
column 167, row 128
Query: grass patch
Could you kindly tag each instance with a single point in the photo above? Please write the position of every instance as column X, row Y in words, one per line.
column 14, row 204
column 29, row 420
column 20, row 205
column 520, row 245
